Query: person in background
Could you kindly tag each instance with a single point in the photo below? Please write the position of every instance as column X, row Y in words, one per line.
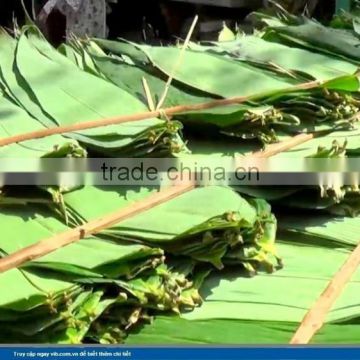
column 80, row 17
column 140, row 21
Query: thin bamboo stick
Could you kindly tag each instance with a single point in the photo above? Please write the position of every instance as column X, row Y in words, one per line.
column 178, row 63
column 274, row 149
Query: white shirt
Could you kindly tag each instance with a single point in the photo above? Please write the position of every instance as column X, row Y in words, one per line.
column 83, row 17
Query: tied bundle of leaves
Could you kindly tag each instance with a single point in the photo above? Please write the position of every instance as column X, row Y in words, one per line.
column 333, row 107
column 224, row 229
column 53, row 92
column 66, row 297
column 146, row 265
column 238, row 310
column 335, row 200
column 331, row 196
column 305, row 33
column 101, row 310
column 223, row 70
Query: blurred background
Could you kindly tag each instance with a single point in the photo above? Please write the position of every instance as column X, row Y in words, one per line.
column 154, row 21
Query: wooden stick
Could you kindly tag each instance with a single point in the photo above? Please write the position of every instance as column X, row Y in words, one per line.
column 177, row 64
column 93, row 227
column 149, row 98
column 316, row 316
column 140, row 116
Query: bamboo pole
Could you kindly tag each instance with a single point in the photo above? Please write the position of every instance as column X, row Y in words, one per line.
column 179, row 109
column 57, row 241
column 316, row 316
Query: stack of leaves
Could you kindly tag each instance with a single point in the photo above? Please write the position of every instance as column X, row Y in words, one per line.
column 66, row 297
column 53, row 92
column 16, row 120
column 315, row 110
column 219, row 71
column 202, row 244
column 224, row 229
column 331, row 196
column 309, row 34
column 269, row 309
column 342, row 201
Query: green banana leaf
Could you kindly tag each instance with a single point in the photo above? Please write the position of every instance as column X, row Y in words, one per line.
column 16, row 121
column 208, row 73
column 280, row 113
column 297, row 62
column 333, row 229
column 235, row 332
column 165, row 331
column 312, row 35
column 76, row 96
column 130, row 77
column 262, row 313
column 67, row 292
